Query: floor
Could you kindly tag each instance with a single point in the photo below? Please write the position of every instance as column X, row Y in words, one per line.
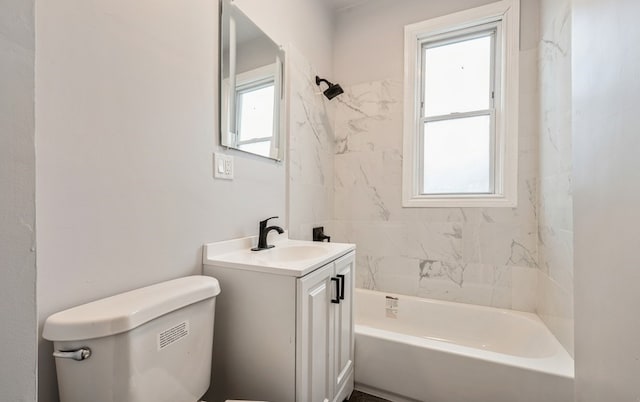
column 358, row 396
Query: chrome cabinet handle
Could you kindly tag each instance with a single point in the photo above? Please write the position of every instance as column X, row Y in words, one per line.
column 77, row 355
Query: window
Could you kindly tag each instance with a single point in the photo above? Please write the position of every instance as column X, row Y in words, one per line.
column 253, row 123
column 254, row 113
column 461, row 97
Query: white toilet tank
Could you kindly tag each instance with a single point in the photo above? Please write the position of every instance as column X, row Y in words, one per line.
column 151, row 344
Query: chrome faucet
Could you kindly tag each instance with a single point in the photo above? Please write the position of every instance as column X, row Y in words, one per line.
column 264, row 231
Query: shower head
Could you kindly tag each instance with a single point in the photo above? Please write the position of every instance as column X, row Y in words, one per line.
column 333, row 90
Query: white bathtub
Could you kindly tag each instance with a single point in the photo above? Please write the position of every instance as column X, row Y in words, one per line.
column 435, row 351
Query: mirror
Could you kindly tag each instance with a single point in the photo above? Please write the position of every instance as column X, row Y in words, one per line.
column 251, row 86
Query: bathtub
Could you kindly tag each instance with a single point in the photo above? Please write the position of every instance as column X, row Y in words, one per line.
column 413, row 349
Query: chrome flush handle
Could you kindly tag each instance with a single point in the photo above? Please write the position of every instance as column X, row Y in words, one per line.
column 77, row 355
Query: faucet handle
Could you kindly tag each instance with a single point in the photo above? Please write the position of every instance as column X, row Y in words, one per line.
column 318, row 234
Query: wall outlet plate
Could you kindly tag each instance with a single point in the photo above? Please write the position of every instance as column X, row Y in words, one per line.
column 222, row 166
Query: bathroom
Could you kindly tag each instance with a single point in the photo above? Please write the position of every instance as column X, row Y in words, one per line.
column 110, row 118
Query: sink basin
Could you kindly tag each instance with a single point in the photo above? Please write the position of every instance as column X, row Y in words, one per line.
column 289, row 257
column 292, row 253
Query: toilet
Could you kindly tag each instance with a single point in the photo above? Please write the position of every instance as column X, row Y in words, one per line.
column 149, row 344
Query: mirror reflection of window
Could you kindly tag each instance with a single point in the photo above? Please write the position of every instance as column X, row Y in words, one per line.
column 254, row 112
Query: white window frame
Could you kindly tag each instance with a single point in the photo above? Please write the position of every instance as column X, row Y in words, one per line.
column 506, row 14
column 247, row 87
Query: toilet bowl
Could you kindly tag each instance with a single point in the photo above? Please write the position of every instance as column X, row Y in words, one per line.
column 149, row 344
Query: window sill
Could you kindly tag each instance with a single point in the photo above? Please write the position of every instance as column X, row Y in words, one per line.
column 475, row 201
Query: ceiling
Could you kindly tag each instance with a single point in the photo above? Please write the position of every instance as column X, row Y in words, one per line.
column 341, row 4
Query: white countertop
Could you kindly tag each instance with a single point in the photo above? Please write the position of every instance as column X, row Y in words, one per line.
column 237, row 254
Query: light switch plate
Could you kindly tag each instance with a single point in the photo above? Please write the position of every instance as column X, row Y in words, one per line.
column 222, row 166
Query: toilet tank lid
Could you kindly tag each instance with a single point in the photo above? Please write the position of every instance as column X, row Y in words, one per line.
column 126, row 311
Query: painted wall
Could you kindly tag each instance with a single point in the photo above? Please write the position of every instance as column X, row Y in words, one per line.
column 555, row 203
column 606, row 194
column 376, row 30
column 18, row 337
column 127, row 123
column 483, row 256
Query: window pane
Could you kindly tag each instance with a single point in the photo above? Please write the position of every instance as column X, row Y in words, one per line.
column 458, row 77
column 255, row 113
column 457, row 156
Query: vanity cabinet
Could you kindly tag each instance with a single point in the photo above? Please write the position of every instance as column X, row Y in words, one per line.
column 325, row 339
column 282, row 336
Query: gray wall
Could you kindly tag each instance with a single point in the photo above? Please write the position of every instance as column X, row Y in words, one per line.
column 606, row 142
column 127, row 124
column 17, row 203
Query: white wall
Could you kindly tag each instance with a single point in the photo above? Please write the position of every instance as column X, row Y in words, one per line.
column 606, row 142
column 376, row 31
column 555, row 212
column 18, row 337
column 483, row 256
column 126, row 126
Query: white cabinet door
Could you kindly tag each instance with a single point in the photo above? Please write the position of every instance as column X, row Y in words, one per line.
column 343, row 331
column 315, row 336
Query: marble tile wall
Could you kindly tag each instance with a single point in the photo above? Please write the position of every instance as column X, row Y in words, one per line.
column 485, row 256
column 519, row 258
column 555, row 221
column 310, row 150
